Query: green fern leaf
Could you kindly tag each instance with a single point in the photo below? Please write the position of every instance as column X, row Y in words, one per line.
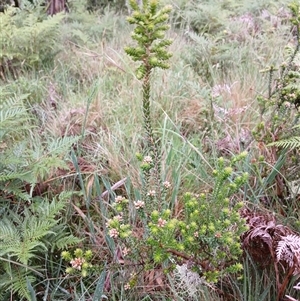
column 66, row 241
column 291, row 143
column 10, row 237
column 19, row 285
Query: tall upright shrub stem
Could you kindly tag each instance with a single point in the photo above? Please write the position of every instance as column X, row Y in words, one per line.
column 150, row 27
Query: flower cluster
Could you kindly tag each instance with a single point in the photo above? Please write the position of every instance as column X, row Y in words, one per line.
column 116, row 229
column 151, row 193
column 167, row 185
column 139, row 204
column 120, row 199
column 125, row 251
column 161, row 222
column 114, row 233
column 120, row 203
column 147, row 160
column 147, row 163
column 79, row 261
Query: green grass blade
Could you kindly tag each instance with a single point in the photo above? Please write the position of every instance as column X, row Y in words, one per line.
column 31, row 290
column 99, row 288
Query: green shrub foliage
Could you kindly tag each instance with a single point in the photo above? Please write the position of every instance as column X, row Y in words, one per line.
column 207, row 234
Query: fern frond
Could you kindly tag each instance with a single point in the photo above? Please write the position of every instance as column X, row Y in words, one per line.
column 13, row 114
column 10, row 237
column 262, row 235
column 52, row 157
column 291, row 143
column 61, row 145
column 10, row 114
column 288, row 248
column 19, row 277
column 28, row 37
column 5, row 177
column 48, row 209
column 14, row 242
column 8, row 100
column 13, row 188
column 36, row 227
column 23, row 238
column 28, row 249
column 66, row 241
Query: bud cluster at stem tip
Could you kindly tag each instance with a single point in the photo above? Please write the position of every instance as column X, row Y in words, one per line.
column 150, row 27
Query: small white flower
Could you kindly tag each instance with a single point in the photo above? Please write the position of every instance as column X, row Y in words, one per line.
column 167, row 184
column 287, row 104
column 292, row 95
column 161, row 222
column 114, row 233
column 77, row 263
column 119, row 199
column 139, row 204
column 125, row 251
column 151, row 193
column 119, row 217
column 147, row 159
column 127, row 286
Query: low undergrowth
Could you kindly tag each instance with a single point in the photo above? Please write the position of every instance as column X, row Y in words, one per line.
column 149, row 151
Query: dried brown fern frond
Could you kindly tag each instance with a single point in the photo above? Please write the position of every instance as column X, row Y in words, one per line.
column 261, row 239
column 274, row 246
column 288, row 251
